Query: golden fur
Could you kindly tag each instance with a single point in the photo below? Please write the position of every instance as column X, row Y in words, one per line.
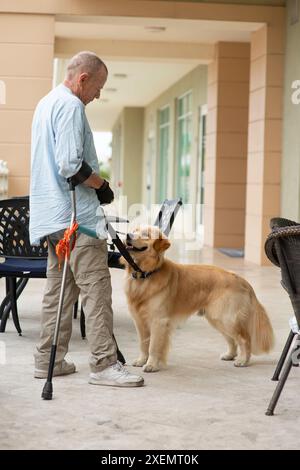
column 176, row 291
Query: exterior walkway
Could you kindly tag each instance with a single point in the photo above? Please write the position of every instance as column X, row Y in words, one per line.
column 199, row 402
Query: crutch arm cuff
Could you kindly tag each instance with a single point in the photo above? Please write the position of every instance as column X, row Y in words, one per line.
column 83, row 174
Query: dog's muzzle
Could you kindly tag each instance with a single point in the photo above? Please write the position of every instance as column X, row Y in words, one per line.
column 129, row 245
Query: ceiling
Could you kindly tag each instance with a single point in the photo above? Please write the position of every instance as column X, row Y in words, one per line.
column 145, row 79
column 129, row 28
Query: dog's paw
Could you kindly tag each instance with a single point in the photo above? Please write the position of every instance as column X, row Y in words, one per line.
column 140, row 362
column 150, row 368
column 227, row 357
column 240, row 363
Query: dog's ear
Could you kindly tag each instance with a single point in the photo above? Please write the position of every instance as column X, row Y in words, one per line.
column 162, row 244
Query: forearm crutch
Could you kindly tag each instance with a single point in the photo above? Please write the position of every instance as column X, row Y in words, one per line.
column 48, row 387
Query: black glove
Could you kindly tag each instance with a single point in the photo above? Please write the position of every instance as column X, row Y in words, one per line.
column 105, row 195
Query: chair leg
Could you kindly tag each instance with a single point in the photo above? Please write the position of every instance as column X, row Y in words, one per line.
column 6, row 303
column 4, row 317
column 7, row 285
column 282, row 380
column 283, row 356
column 5, row 307
column 82, row 323
column 75, row 310
column 21, row 284
column 14, row 308
column 10, row 304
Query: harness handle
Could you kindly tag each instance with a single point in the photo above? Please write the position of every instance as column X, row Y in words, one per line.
column 122, row 249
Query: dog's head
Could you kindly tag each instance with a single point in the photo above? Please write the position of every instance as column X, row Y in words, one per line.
column 147, row 245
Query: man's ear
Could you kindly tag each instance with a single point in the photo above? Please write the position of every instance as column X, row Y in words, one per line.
column 162, row 244
column 83, row 77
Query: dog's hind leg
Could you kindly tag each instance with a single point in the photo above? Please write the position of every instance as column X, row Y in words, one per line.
column 244, row 343
column 144, row 338
column 232, row 349
column 159, row 344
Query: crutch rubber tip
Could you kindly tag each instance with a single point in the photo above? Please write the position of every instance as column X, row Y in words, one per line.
column 47, row 391
column 269, row 413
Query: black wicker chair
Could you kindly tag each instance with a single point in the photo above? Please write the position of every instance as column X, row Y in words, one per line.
column 282, row 247
column 21, row 260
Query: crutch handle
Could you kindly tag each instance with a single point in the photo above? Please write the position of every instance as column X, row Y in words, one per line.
column 71, row 185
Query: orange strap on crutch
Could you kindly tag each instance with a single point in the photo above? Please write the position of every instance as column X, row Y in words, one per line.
column 64, row 247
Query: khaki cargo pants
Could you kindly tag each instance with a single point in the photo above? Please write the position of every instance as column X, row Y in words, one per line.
column 87, row 275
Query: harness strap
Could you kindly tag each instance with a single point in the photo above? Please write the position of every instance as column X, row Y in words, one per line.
column 64, row 248
column 122, row 249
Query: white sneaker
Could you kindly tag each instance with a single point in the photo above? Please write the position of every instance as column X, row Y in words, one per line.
column 116, row 375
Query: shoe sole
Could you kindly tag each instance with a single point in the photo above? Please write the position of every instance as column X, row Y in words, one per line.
column 114, row 384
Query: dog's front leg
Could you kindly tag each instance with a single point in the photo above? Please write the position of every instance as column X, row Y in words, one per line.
column 159, row 344
column 143, row 332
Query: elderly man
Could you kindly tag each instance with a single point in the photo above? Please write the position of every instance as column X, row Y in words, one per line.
column 63, row 148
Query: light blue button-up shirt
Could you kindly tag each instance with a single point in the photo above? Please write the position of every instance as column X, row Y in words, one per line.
column 61, row 140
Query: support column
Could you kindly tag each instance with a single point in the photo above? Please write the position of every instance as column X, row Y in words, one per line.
column 26, row 51
column 265, row 138
column 226, row 155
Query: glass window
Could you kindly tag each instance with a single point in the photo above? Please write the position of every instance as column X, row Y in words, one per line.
column 163, row 155
column 184, row 146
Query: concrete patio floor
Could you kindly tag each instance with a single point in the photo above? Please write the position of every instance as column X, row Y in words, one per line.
column 199, row 402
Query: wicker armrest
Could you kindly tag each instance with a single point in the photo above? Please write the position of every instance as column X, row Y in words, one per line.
column 279, row 232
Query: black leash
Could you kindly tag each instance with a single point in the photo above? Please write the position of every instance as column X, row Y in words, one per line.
column 138, row 273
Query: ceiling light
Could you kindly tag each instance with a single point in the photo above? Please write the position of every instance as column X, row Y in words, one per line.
column 155, row 29
column 120, row 75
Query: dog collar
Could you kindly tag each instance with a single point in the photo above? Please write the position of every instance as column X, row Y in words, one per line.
column 142, row 274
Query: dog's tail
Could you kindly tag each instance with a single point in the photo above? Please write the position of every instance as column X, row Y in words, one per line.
column 262, row 336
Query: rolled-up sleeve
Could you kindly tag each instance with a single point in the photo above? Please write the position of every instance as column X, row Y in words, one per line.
column 69, row 137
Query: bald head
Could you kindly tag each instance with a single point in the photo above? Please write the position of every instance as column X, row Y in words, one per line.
column 84, row 62
column 86, row 75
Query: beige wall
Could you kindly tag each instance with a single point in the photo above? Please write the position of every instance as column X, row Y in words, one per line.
column 196, row 81
column 26, row 51
column 226, row 154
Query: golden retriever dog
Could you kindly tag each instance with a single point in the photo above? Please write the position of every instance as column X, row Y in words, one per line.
column 172, row 292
